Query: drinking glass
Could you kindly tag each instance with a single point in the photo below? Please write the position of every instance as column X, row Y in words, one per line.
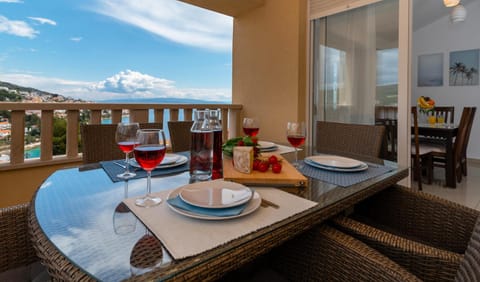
column 147, row 254
column 124, row 222
column 149, row 152
column 250, row 126
column 126, row 136
column 296, row 133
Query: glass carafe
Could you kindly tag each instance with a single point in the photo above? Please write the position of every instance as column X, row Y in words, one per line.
column 216, row 126
column 201, row 150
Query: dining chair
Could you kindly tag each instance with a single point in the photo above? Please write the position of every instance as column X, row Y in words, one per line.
column 323, row 253
column 360, row 139
column 180, row 136
column 459, row 146
column 387, row 116
column 421, row 155
column 423, row 233
column 463, row 159
column 18, row 261
column 448, row 112
column 98, row 142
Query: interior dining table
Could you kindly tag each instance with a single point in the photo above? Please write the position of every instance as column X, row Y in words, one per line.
column 443, row 134
column 77, row 213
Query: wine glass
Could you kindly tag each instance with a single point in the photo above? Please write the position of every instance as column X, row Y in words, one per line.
column 250, row 126
column 296, row 136
column 147, row 254
column 126, row 136
column 124, row 222
column 149, row 152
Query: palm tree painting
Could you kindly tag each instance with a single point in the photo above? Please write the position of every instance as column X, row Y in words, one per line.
column 463, row 68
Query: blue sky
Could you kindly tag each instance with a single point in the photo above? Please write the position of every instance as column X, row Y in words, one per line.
column 116, row 49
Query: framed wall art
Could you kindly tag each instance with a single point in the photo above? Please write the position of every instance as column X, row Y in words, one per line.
column 463, row 67
column 430, row 70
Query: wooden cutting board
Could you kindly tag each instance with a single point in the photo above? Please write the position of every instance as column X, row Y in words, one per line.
column 289, row 176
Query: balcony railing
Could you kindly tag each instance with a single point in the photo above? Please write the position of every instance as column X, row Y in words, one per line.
column 137, row 113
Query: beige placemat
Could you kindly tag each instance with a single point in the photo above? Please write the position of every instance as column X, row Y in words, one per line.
column 184, row 237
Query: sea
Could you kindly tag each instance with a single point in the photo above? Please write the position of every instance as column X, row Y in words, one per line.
column 35, row 152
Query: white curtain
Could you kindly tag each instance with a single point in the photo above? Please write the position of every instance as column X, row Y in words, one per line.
column 346, row 56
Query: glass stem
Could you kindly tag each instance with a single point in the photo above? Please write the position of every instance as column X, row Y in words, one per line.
column 127, row 168
column 149, row 183
column 296, row 156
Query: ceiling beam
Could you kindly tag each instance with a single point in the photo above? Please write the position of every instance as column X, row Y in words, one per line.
column 231, row 8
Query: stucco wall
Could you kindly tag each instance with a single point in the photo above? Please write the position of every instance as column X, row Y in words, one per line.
column 443, row 37
column 269, row 65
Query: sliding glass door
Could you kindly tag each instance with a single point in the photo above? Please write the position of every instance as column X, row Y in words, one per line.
column 354, row 66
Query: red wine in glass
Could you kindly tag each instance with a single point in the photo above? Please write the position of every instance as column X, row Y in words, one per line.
column 125, row 136
column 250, row 126
column 251, row 131
column 127, row 146
column 296, row 133
column 148, row 157
column 149, row 153
column 296, row 140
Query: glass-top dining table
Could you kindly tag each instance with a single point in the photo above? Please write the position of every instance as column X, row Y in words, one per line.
column 82, row 232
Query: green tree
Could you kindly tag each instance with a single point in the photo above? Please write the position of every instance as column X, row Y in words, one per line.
column 59, row 136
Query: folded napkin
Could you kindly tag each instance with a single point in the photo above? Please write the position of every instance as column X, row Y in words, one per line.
column 222, row 212
column 230, row 196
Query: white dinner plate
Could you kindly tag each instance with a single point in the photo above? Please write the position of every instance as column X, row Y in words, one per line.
column 252, row 206
column 330, row 168
column 335, row 161
column 265, row 146
column 215, row 194
column 170, row 160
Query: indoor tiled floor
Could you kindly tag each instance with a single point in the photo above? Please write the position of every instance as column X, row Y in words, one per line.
column 467, row 192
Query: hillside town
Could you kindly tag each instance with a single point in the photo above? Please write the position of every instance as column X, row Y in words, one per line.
column 14, row 93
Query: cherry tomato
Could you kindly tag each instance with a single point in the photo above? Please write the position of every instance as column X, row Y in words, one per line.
column 256, row 163
column 240, row 143
column 273, row 159
column 263, row 166
column 277, row 168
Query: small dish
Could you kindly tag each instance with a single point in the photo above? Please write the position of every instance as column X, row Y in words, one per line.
column 216, row 194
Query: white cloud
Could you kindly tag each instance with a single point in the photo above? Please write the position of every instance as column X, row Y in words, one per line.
column 76, row 39
column 126, row 84
column 43, row 20
column 173, row 20
column 18, row 28
column 11, row 1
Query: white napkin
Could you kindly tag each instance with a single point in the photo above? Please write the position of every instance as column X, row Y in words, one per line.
column 230, row 196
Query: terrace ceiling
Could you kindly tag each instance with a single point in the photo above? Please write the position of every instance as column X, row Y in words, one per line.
column 231, row 8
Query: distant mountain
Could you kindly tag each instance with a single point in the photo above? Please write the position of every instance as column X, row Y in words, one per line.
column 162, row 101
column 10, row 92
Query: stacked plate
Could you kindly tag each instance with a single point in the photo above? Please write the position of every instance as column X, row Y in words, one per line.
column 265, row 146
column 214, row 200
column 170, row 160
column 335, row 163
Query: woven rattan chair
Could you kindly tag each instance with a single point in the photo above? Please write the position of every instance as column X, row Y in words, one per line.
column 360, row 139
column 180, row 136
column 326, row 254
column 423, row 233
column 16, row 250
column 98, row 142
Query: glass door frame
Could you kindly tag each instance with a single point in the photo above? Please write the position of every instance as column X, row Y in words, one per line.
column 404, row 74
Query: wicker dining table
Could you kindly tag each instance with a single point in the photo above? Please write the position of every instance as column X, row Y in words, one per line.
column 72, row 214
